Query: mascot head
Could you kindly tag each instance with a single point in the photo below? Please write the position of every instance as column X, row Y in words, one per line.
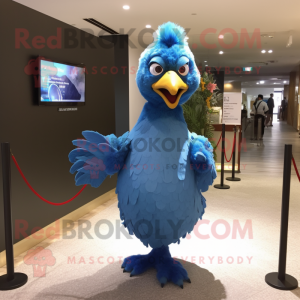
column 167, row 71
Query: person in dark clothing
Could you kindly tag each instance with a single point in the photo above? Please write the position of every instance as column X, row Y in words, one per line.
column 270, row 112
column 283, row 107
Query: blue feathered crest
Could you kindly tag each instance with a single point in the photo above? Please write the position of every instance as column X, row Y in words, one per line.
column 170, row 34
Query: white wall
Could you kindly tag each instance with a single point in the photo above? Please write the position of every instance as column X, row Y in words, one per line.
column 136, row 100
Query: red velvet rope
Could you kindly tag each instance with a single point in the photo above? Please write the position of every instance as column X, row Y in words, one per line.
column 296, row 169
column 232, row 149
column 49, row 202
column 219, row 140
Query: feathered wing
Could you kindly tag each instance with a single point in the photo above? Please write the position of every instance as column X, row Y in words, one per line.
column 97, row 156
column 202, row 161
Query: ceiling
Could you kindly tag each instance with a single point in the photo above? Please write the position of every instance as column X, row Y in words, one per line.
column 277, row 19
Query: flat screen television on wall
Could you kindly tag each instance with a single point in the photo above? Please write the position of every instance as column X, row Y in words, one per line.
column 61, row 83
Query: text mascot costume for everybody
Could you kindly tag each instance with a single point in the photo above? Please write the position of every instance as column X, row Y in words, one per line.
column 162, row 167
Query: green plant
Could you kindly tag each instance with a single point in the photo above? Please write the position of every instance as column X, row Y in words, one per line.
column 198, row 109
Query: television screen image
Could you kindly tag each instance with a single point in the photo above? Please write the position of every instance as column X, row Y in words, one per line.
column 61, row 83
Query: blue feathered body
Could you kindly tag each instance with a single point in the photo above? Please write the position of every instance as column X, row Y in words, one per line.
column 152, row 198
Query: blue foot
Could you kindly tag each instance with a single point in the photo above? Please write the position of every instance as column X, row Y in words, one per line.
column 167, row 268
column 136, row 264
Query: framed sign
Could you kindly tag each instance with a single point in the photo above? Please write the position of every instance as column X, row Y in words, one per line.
column 232, row 103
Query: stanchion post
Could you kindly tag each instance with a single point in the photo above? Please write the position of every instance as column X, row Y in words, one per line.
column 259, row 130
column 244, row 125
column 253, row 128
column 222, row 185
column 233, row 178
column 239, row 148
column 280, row 280
column 11, row 280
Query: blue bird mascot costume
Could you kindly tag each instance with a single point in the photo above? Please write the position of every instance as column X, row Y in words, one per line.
column 162, row 167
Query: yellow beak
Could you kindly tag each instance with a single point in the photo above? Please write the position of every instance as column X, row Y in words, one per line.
column 170, row 87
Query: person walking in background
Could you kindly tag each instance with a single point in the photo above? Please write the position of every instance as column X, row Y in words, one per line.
column 259, row 109
column 270, row 112
column 283, row 107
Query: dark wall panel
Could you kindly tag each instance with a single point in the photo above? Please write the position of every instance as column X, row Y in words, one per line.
column 40, row 136
column 121, row 58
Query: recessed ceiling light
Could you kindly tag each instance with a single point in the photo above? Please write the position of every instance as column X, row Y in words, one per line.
column 267, row 35
column 263, row 51
column 221, row 36
column 205, row 61
column 148, row 26
column 270, row 51
column 206, row 65
column 221, row 52
column 257, row 82
column 284, row 82
column 126, row 7
column 261, row 82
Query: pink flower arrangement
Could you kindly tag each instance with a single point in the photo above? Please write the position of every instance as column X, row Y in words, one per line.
column 211, row 87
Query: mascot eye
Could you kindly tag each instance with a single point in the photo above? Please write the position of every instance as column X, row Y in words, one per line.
column 183, row 70
column 156, row 69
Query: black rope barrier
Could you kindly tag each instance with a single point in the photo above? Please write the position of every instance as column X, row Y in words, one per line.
column 233, row 178
column 280, row 280
column 11, row 280
column 222, row 185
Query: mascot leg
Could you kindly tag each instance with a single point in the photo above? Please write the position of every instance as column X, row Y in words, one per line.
column 168, row 269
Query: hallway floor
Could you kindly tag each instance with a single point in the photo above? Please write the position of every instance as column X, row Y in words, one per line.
column 219, row 267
